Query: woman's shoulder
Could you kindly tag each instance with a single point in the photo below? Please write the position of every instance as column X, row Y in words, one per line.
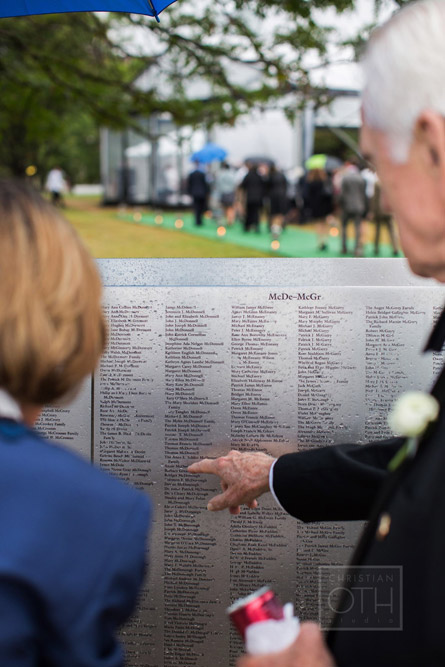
column 48, row 470
column 55, row 503
column 76, row 537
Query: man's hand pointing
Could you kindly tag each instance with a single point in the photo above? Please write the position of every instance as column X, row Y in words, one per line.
column 243, row 476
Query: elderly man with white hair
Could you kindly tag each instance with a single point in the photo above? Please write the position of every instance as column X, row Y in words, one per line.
column 399, row 488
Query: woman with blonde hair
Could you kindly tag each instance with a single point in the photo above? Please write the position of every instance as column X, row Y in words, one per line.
column 73, row 537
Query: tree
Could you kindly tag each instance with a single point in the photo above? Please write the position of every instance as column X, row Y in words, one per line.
column 64, row 75
column 216, row 41
column 61, row 77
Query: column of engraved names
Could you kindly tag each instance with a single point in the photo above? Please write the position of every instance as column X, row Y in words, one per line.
column 327, row 403
column 327, row 373
column 194, row 361
column 126, row 439
column 126, row 384
column 70, row 425
column 393, row 362
column 258, row 379
column 261, row 550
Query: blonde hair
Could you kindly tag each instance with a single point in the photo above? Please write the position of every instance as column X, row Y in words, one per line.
column 52, row 329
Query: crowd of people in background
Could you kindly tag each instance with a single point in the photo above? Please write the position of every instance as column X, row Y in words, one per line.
column 328, row 199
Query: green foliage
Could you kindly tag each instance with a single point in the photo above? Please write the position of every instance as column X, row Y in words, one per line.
column 64, row 75
column 61, row 77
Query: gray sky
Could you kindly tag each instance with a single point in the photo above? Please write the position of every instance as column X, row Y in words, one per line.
column 342, row 73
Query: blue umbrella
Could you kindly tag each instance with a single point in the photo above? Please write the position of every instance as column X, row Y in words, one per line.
column 26, row 7
column 209, row 153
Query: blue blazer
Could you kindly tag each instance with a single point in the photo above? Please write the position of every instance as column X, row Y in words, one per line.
column 72, row 552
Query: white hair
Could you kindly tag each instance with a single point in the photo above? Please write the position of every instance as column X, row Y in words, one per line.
column 404, row 68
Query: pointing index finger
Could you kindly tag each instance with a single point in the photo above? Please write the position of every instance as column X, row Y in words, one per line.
column 207, row 466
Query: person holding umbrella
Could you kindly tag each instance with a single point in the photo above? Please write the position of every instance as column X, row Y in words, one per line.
column 198, row 188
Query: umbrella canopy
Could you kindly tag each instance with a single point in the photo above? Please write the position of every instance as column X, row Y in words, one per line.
column 321, row 161
column 209, row 153
column 27, row 7
column 259, row 159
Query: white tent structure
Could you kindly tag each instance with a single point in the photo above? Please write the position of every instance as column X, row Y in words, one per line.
column 151, row 168
column 137, row 169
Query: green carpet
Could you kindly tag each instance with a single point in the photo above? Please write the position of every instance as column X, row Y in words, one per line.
column 294, row 241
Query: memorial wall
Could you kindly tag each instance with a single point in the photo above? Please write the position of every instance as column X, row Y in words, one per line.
column 209, row 355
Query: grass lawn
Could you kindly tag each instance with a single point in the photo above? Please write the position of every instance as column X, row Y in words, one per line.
column 133, row 232
column 108, row 236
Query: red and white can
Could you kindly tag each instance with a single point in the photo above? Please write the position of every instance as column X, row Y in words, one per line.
column 263, row 605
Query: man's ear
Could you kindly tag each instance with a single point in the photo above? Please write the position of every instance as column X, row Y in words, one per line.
column 429, row 134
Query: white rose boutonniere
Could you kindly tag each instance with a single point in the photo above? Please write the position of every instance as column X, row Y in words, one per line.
column 410, row 417
column 412, row 412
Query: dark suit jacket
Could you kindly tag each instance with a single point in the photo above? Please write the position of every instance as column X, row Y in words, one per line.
column 254, row 187
column 197, row 186
column 352, row 482
column 71, row 555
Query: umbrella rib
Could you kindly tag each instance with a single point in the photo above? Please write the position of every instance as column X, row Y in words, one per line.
column 155, row 13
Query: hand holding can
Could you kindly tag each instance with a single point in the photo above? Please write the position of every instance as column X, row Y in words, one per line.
column 264, row 624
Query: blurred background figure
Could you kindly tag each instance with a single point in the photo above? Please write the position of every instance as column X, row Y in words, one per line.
column 370, row 178
column 294, row 198
column 56, row 185
column 169, row 184
column 225, row 186
column 353, row 205
column 253, row 187
column 318, row 194
column 277, row 188
column 198, row 189
column 382, row 218
column 240, row 203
